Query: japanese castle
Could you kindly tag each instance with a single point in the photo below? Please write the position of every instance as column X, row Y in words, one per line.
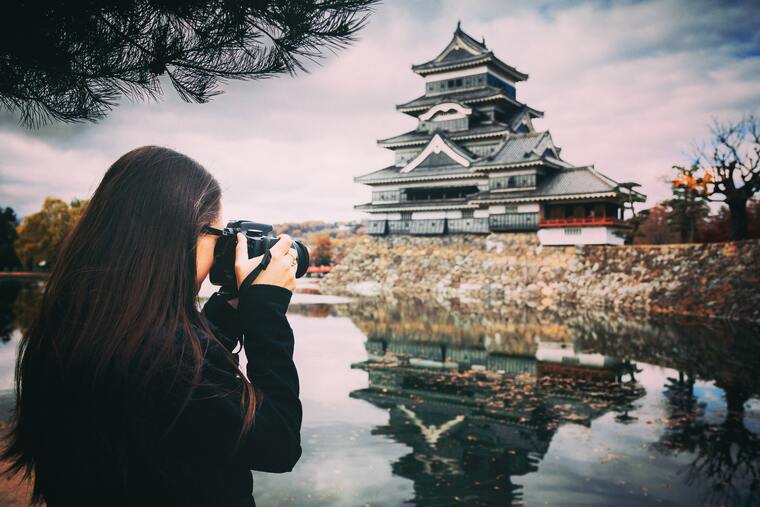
column 476, row 164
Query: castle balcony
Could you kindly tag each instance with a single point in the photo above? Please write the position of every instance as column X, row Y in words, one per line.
column 582, row 222
column 513, row 222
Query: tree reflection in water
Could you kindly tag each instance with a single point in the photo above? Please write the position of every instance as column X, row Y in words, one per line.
column 8, row 291
column 478, row 392
column 19, row 301
column 726, row 453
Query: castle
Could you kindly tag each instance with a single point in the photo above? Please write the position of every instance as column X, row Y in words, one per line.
column 476, row 164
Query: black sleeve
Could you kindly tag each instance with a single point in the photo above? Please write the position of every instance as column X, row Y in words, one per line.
column 223, row 320
column 275, row 443
column 213, row 418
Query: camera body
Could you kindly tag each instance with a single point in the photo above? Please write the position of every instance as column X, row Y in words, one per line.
column 260, row 238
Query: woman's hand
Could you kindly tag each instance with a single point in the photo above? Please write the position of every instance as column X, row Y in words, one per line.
column 281, row 271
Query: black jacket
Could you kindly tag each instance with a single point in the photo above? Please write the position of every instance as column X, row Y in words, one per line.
column 223, row 475
column 195, row 461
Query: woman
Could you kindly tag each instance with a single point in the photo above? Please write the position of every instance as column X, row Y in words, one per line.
column 126, row 393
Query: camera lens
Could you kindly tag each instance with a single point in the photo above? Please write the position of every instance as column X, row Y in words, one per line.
column 303, row 258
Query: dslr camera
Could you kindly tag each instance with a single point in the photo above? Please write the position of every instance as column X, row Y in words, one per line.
column 260, row 238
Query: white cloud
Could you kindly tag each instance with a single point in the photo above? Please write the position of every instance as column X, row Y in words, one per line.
column 626, row 86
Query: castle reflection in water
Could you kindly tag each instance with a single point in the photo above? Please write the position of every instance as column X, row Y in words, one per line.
column 480, row 396
column 478, row 391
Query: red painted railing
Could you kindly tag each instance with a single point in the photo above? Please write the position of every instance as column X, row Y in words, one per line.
column 579, row 222
column 319, row 269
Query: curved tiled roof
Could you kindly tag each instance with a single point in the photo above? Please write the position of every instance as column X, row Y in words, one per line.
column 515, row 150
column 571, row 182
column 455, row 55
column 432, row 171
column 464, row 97
column 578, row 180
column 422, row 137
column 519, row 148
column 568, row 183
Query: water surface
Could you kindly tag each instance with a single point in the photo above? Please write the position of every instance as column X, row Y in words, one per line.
column 421, row 403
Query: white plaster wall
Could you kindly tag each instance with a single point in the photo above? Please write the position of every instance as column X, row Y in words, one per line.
column 385, row 216
column 527, row 208
column 588, row 236
column 419, row 215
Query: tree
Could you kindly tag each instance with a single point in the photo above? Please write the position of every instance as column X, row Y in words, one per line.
column 71, row 61
column 41, row 234
column 717, row 228
column 323, row 250
column 687, row 210
column 634, row 221
column 655, row 229
column 728, row 171
column 8, row 224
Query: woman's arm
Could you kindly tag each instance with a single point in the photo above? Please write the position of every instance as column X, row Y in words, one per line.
column 273, row 443
column 275, row 440
column 213, row 418
column 224, row 321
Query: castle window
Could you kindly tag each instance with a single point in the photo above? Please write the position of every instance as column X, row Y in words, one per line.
column 460, row 82
column 495, row 81
column 513, row 181
column 448, row 125
column 426, row 194
column 385, row 195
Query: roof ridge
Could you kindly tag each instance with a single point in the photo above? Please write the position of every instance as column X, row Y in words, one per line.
column 541, row 138
column 602, row 177
column 466, row 35
column 521, row 135
column 453, row 144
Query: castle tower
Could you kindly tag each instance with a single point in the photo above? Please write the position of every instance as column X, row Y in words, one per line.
column 476, row 164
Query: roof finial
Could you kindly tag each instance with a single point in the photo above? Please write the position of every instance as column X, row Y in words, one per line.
column 483, row 41
column 459, row 24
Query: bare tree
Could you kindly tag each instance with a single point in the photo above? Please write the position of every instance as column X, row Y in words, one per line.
column 72, row 61
column 728, row 170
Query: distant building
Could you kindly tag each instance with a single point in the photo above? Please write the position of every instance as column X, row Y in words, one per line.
column 475, row 163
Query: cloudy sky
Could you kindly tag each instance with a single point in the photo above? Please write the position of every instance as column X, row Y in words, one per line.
column 627, row 86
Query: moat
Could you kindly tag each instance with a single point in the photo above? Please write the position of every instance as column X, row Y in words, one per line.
column 422, row 403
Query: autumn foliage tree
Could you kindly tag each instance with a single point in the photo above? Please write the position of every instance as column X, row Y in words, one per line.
column 717, row 228
column 727, row 171
column 322, row 253
column 655, row 227
column 686, row 209
column 41, row 234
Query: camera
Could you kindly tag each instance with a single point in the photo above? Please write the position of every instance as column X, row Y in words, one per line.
column 260, row 238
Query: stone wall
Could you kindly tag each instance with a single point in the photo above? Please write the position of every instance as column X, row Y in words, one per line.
column 715, row 280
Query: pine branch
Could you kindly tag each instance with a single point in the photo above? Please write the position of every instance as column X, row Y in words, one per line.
column 74, row 61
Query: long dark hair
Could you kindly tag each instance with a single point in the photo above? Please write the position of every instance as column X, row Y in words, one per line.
column 122, row 291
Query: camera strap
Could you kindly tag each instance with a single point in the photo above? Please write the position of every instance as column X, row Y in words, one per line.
column 257, row 270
